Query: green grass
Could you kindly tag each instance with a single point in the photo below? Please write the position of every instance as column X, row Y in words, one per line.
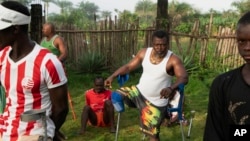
column 196, row 98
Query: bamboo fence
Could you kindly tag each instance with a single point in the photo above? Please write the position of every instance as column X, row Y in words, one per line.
column 118, row 41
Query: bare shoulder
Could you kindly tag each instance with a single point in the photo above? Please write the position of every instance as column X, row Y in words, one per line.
column 59, row 41
column 141, row 53
column 175, row 58
column 59, row 38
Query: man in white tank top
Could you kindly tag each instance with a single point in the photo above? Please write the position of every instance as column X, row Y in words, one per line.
column 155, row 87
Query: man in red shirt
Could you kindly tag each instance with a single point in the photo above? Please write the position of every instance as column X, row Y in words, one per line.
column 98, row 110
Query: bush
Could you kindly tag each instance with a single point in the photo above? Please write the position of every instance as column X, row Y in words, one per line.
column 92, row 62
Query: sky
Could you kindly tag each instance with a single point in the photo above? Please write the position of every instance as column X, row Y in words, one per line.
column 110, row 5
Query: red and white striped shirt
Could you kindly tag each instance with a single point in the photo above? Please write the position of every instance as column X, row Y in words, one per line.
column 26, row 83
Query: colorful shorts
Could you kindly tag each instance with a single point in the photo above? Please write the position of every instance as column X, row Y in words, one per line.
column 151, row 116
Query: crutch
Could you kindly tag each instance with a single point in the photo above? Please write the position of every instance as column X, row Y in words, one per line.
column 34, row 115
column 117, row 101
column 179, row 109
column 190, row 124
column 71, row 106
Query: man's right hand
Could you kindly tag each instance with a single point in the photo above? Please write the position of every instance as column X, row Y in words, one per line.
column 108, row 82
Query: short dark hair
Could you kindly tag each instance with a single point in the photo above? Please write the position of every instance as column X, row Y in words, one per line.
column 17, row 6
column 99, row 77
column 245, row 19
column 52, row 27
column 160, row 34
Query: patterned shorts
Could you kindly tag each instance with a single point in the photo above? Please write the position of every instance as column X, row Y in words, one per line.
column 151, row 116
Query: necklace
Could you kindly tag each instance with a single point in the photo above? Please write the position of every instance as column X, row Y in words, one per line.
column 154, row 60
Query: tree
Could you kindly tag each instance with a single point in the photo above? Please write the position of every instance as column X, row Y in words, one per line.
column 105, row 14
column 146, row 11
column 82, row 16
column 241, row 6
column 65, row 5
column 89, row 9
column 182, row 16
column 162, row 20
column 128, row 16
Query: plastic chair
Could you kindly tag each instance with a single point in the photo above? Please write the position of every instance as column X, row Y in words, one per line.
column 179, row 109
column 117, row 101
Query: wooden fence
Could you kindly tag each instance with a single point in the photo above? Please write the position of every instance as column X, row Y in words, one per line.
column 117, row 42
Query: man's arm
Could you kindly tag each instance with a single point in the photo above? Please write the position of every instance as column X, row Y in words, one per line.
column 130, row 66
column 179, row 70
column 176, row 68
column 59, row 43
column 59, row 101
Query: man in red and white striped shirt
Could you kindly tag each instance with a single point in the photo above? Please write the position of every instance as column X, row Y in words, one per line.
column 33, row 78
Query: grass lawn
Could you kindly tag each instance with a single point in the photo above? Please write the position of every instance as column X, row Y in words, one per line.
column 196, row 98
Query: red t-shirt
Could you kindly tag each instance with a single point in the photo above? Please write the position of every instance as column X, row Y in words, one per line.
column 96, row 100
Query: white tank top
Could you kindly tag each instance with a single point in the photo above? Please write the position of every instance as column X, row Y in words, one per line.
column 154, row 78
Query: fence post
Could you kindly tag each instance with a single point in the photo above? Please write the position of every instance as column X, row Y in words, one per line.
column 36, row 22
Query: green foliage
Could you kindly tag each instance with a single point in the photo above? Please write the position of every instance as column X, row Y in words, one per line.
column 91, row 62
column 128, row 16
column 190, row 65
column 183, row 28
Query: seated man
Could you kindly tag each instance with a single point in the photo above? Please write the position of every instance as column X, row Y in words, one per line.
column 98, row 110
column 151, row 95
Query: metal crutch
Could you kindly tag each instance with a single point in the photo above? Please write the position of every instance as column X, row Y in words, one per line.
column 117, row 126
column 34, row 115
column 179, row 109
column 190, row 124
column 119, row 107
column 117, row 101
